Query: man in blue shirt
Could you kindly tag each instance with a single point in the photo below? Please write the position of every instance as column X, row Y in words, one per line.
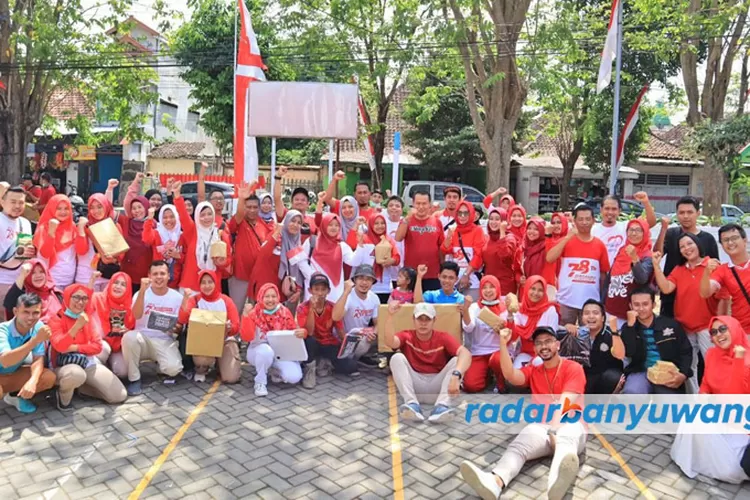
column 447, row 294
column 22, row 344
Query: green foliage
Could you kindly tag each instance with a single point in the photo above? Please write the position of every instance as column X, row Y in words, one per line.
column 309, row 154
column 722, row 143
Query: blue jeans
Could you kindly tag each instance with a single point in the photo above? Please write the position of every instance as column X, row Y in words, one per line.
column 316, row 350
column 637, row 383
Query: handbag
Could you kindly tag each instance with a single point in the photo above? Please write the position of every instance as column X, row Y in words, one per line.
column 576, row 349
column 72, row 358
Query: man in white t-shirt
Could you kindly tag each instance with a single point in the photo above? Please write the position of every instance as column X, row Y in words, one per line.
column 359, row 309
column 155, row 308
column 11, row 225
column 612, row 232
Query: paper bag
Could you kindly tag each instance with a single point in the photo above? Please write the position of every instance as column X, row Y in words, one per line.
column 661, row 372
column 218, row 249
column 107, row 238
column 489, row 317
column 448, row 320
column 30, row 213
column 206, row 333
column 148, row 183
column 383, row 251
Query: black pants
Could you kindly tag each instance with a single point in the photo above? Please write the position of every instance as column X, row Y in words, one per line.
column 430, row 284
column 187, row 361
column 603, row 382
column 667, row 305
column 384, row 297
column 316, row 350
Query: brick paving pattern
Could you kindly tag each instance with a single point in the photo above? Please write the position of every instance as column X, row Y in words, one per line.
column 332, row 442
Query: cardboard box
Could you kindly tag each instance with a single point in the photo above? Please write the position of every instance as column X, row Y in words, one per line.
column 107, row 238
column 206, row 333
column 383, row 251
column 448, row 320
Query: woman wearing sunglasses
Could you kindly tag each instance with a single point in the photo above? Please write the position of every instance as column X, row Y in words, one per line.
column 727, row 371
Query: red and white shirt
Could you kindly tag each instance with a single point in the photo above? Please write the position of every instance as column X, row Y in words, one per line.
column 582, row 264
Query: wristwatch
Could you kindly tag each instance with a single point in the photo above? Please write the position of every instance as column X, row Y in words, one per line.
column 458, row 374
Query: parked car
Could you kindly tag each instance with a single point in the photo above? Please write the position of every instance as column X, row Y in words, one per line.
column 729, row 213
column 435, row 188
column 190, row 191
column 628, row 207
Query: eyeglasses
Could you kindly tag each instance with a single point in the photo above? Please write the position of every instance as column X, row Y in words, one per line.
column 79, row 298
column 731, row 239
column 463, row 213
column 544, row 343
column 716, row 331
column 635, row 229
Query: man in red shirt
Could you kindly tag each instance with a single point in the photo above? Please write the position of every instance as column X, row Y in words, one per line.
column 300, row 202
column 734, row 276
column 48, row 191
column 322, row 342
column 555, row 380
column 361, row 194
column 429, row 367
column 250, row 235
column 33, row 192
column 423, row 237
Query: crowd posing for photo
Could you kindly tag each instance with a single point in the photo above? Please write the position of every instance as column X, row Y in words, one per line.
column 529, row 293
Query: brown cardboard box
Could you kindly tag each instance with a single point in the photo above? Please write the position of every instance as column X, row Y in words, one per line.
column 383, row 251
column 107, row 238
column 448, row 320
column 206, row 333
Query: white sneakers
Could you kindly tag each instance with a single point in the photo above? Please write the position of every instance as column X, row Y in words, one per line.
column 199, row 377
column 483, row 483
column 260, row 390
column 562, row 476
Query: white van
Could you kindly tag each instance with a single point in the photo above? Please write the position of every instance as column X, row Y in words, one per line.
column 435, row 188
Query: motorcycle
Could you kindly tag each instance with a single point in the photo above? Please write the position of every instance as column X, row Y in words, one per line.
column 80, row 208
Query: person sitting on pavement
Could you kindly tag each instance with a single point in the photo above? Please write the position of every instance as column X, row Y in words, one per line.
column 556, row 380
column 447, row 294
column 153, row 339
column 649, row 338
column 268, row 315
column 727, row 371
column 605, row 373
column 323, row 343
column 75, row 344
column 359, row 310
column 22, row 355
column 536, row 310
column 112, row 318
column 430, row 366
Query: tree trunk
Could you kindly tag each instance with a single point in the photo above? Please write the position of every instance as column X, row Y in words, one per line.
column 12, row 147
column 499, row 153
column 568, row 167
column 743, row 85
column 714, row 180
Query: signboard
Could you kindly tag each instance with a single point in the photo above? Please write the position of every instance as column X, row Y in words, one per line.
column 79, row 153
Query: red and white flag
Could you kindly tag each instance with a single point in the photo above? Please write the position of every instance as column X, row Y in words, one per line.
column 367, row 140
column 610, row 50
column 629, row 127
column 249, row 68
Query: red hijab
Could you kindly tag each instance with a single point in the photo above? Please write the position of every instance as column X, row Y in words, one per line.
column 66, row 230
column 68, row 293
column 509, row 198
column 520, row 231
column 50, row 303
column 109, row 211
column 622, row 262
column 327, row 252
column 497, row 306
column 469, row 226
column 104, row 302
column 495, row 235
column 563, row 225
column 277, row 320
column 216, row 294
column 532, row 310
column 374, row 238
column 534, row 252
column 720, row 362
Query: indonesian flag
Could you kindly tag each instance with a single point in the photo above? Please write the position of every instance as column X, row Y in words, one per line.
column 629, row 126
column 367, row 140
column 249, row 69
column 610, row 50
column 296, row 255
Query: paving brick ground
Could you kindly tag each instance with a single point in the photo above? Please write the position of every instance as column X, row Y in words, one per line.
column 333, row 442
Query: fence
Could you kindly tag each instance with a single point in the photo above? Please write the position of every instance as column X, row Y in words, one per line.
column 194, row 178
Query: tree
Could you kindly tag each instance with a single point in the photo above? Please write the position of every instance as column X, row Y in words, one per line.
column 61, row 44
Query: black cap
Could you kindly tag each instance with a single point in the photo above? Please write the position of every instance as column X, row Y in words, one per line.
column 319, row 279
column 27, row 177
column 301, row 190
column 543, row 330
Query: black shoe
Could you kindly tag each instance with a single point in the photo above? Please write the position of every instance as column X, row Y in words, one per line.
column 60, row 406
column 372, row 361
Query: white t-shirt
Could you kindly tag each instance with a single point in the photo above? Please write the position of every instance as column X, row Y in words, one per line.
column 64, row 271
column 9, row 229
column 168, row 303
column 445, row 220
column 391, row 273
column 613, row 237
column 310, row 266
column 549, row 318
column 479, row 335
column 582, row 264
column 359, row 312
column 84, row 270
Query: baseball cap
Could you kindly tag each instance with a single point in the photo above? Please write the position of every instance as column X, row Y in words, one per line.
column 424, row 309
column 543, row 330
column 364, row 270
column 452, row 189
column 319, row 279
column 301, row 190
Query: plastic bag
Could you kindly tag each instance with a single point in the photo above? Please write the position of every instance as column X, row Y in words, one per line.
column 577, row 349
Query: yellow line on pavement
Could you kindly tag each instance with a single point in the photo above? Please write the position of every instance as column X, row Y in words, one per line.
column 618, row 458
column 138, row 491
column 398, row 473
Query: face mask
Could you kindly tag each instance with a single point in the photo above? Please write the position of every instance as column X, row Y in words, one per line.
column 271, row 311
column 71, row 314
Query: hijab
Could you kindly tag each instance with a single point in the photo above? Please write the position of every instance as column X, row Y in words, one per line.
column 327, row 252
column 495, row 235
column 290, row 242
column 50, row 302
column 134, row 236
column 348, row 225
column 520, row 231
column 204, row 299
column 66, row 230
column 496, row 306
column 165, row 234
column 374, row 239
column 622, row 262
column 104, row 302
column 204, row 237
column 266, row 321
column 563, row 227
column 266, row 216
column 69, row 315
column 463, row 229
column 532, row 311
column 109, row 211
column 719, row 362
column 510, row 199
column 534, row 252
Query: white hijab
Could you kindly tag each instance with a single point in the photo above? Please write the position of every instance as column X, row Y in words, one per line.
column 205, row 237
column 166, row 234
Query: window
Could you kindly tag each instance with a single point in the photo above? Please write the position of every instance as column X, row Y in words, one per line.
column 167, row 113
column 679, row 180
column 192, row 121
column 417, row 188
column 189, row 188
column 439, row 194
column 733, row 212
column 473, row 196
column 657, row 179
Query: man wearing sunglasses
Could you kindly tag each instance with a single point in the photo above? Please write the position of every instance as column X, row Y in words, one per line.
column 734, row 276
column 649, row 338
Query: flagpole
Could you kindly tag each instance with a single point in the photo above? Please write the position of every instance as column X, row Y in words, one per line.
column 616, row 112
column 234, row 86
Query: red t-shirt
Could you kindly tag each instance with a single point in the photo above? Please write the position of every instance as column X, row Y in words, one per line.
column 740, row 307
column 247, row 245
column 35, row 191
column 422, row 245
column 46, row 194
column 428, row 356
column 570, row 378
column 692, row 311
column 324, row 323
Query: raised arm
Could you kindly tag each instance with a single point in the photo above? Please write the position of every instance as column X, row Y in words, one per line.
column 390, row 335
column 659, row 245
column 331, row 189
column 421, row 271
column 642, row 197
column 556, row 251
column 278, row 200
column 133, row 190
column 662, row 281
column 202, row 182
column 515, row 377
column 707, row 288
column 339, row 310
column 138, row 304
column 243, row 193
column 110, row 192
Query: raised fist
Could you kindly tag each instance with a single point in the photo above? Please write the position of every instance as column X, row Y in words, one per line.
column 151, row 212
column 43, row 335
column 394, row 306
column 630, row 250
column 322, row 196
column 632, row 317
column 52, row 227
column 145, row 283
column 26, row 270
column 113, row 183
column 339, row 175
column 739, row 352
column 665, row 221
column 505, row 335
column 348, row 286
column 421, row 270
column 656, row 258
column 713, row 264
column 282, row 171
column 83, row 319
column 641, row 196
column 138, row 177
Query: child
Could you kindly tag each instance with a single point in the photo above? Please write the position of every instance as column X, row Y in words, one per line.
column 405, row 283
column 316, row 317
column 447, row 294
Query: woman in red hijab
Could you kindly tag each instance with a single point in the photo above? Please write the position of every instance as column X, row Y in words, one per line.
column 463, row 245
column 386, row 272
column 727, row 372
column 555, row 231
column 100, row 208
column 534, row 250
column 631, row 268
column 35, row 278
column 517, row 226
column 499, row 250
column 59, row 241
column 113, row 317
column 75, row 347
column 536, row 310
column 210, row 298
column 138, row 259
column 484, row 339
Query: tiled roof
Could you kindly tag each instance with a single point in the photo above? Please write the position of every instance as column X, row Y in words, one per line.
column 65, row 104
column 178, row 150
column 667, row 144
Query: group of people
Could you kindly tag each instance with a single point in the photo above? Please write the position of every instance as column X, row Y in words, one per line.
column 77, row 319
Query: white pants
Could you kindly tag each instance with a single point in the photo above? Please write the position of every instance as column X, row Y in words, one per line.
column 115, row 360
column 423, row 388
column 701, row 341
column 137, row 347
column 262, row 357
column 714, row 455
column 533, row 442
column 238, row 292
